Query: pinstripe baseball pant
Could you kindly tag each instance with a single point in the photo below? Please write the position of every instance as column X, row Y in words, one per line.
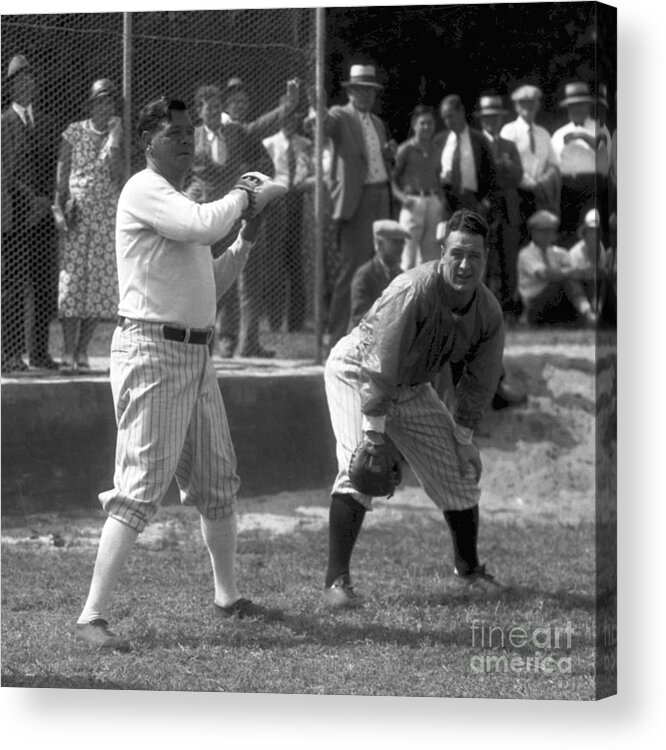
column 171, row 422
column 418, row 423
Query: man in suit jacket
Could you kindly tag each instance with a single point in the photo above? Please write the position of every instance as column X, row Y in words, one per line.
column 376, row 274
column 29, row 249
column 468, row 168
column 358, row 182
column 505, row 220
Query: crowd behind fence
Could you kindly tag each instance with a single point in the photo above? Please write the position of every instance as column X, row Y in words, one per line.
column 257, row 72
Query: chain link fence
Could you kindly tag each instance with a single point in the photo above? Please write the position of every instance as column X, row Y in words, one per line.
column 61, row 179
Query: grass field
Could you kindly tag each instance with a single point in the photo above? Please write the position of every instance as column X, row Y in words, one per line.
column 411, row 639
column 416, row 636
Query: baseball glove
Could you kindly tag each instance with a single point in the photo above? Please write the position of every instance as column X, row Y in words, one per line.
column 260, row 191
column 375, row 469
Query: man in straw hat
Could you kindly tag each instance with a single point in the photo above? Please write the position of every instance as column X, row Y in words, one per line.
column 505, row 222
column 577, row 147
column 359, row 183
column 29, row 248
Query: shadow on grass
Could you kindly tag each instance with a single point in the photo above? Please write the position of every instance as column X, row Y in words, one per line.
column 18, row 679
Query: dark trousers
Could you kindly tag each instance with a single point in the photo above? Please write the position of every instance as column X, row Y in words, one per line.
column 356, row 246
column 285, row 237
column 242, row 305
column 580, row 193
column 552, row 306
column 29, row 272
column 505, row 240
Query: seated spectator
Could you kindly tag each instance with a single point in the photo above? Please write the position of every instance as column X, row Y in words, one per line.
column 376, row 274
column 590, row 260
column 550, row 292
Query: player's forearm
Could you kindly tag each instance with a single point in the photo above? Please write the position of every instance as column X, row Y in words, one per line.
column 229, row 265
column 183, row 220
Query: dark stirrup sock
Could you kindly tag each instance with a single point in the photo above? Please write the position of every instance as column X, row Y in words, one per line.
column 464, row 527
column 345, row 521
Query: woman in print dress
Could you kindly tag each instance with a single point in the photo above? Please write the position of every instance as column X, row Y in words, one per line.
column 89, row 178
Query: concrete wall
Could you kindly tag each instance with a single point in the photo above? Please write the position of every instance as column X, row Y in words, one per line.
column 58, row 438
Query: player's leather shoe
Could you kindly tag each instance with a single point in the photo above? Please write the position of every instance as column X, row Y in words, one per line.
column 341, row 595
column 96, row 633
column 245, row 608
column 478, row 581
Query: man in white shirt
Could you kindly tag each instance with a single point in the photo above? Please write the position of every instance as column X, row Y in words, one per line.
column 550, row 292
column 291, row 154
column 467, row 165
column 582, row 154
column 540, row 184
column 170, row 415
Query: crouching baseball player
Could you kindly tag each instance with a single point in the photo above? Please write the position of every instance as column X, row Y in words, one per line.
column 169, row 412
column 378, row 387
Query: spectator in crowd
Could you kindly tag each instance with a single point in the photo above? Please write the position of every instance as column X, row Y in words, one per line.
column 550, row 291
column 606, row 159
column 362, row 159
column 376, row 274
column 591, row 262
column 291, row 153
column 504, row 238
column 222, row 153
column 584, row 172
column 88, row 181
column 467, row 168
column 415, row 184
column 540, row 186
column 29, row 247
column 608, row 293
column 238, row 105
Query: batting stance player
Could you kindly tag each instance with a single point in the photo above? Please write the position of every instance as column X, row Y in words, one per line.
column 169, row 411
column 378, row 382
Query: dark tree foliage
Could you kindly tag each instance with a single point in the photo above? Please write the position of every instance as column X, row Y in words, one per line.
column 426, row 52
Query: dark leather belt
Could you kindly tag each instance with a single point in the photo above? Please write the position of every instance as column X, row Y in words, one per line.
column 421, row 193
column 182, row 335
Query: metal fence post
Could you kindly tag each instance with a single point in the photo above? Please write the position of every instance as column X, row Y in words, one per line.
column 127, row 92
column 320, row 209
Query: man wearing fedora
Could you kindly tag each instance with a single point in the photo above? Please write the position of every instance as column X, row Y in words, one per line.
column 540, row 186
column 505, row 223
column 29, row 249
column 576, row 145
column 359, row 183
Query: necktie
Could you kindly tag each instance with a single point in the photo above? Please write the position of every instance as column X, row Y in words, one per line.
column 532, row 143
column 291, row 163
column 456, row 174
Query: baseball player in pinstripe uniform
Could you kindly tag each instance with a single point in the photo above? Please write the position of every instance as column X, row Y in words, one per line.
column 378, row 382
column 169, row 411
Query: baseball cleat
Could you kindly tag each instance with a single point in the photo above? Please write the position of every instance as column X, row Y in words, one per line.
column 245, row 608
column 341, row 595
column 478, row 581
column 96, row 633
